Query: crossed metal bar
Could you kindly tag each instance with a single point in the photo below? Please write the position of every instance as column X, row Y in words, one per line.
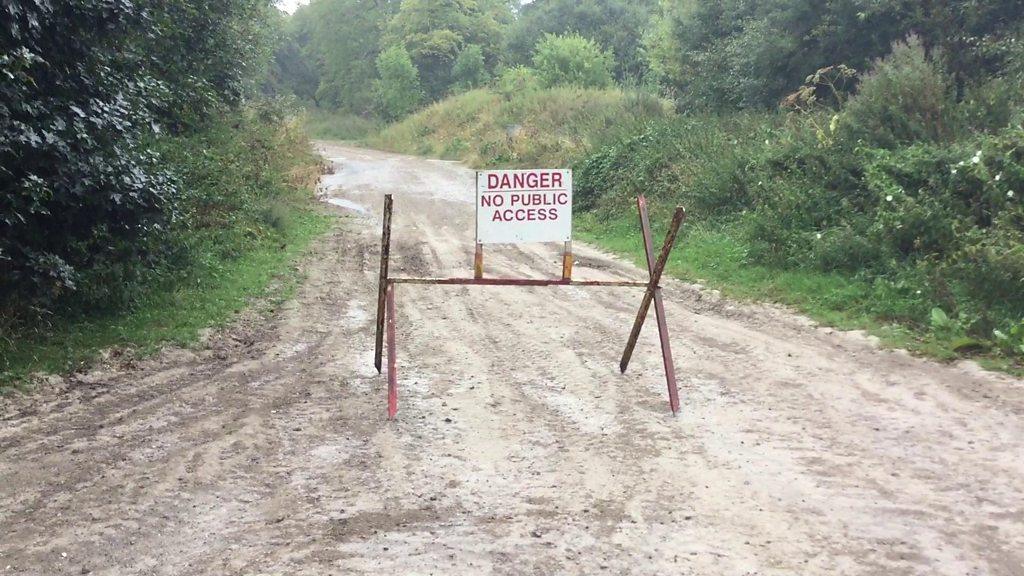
column 655, row 268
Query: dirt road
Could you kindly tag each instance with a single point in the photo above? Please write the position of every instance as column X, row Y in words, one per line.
column 519, row 447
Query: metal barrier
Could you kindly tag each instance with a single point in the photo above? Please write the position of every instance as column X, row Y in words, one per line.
column 652, row 293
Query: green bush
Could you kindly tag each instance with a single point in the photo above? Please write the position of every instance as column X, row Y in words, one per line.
column 928, row 225
column 517, row 81
column 696, row 161
column 469, row 70
column 572, row 60
column 906, row 98
column 398, row 88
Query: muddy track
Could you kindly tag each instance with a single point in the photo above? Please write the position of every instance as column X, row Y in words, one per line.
column 519, row 447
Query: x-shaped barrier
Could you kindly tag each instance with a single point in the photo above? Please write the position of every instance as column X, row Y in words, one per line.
column 652, row 293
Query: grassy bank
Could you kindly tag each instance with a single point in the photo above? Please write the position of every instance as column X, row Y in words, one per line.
column 718, row 259
column 247, row 213
column 533, row 127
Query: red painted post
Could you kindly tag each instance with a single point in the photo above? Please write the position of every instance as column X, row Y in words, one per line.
column 392, row 360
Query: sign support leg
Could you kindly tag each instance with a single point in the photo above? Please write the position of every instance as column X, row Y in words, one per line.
column 567, row 261
column 653, row 293
column 382, row 282
column 392, row 355
column 478, row 261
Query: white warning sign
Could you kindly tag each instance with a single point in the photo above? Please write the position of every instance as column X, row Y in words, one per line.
column 515, row 206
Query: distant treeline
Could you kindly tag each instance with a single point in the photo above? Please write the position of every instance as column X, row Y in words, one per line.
column 385, row 57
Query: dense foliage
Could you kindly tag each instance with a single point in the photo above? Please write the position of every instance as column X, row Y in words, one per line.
column 79, row 188
column 904, row 188
column 92, row 90
column 572, row 61
column 340, row 40
column 617, row 26
column 738, row 53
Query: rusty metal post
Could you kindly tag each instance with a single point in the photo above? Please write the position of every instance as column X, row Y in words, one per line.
column 478, row 261
column 659, row 267
column 392, row 355
column 382, row 281
column 653, row 293
column 567, row 261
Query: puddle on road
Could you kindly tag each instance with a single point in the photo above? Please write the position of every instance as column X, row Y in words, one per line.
column 347, row 204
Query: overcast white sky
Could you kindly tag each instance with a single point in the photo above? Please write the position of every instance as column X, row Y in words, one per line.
column 289, row 6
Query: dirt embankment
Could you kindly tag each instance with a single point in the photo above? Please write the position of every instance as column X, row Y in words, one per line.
column 519, row 447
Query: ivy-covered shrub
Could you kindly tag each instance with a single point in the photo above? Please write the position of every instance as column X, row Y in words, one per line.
column 79, row 189
column 89, row 90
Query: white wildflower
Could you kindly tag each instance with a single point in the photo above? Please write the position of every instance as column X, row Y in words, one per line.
column 1009, row 194
column 999, row 177
column 818, row 235
column 977, row 157
column 954, row 170
column 888, row 198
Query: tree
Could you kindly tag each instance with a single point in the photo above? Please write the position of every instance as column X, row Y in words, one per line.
column 743, row 54
column 435, row 32
column 616, row 25
column 291, row 70
column 398, row 89
column 343, row 38
column 210, row 53
column 469, row 70
column 572, row 60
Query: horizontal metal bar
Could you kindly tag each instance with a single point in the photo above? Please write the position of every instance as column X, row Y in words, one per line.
column 517, row 282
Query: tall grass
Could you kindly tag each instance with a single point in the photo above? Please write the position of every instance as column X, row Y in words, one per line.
column 335, row 125
column 551, row 127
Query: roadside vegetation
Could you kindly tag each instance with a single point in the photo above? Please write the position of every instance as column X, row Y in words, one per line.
column 153, row 181
column 522, row 126
column 859, row 162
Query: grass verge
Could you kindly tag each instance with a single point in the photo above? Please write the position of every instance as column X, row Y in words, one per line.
column 175, row 314
column 715, row 258
column 244, row 213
